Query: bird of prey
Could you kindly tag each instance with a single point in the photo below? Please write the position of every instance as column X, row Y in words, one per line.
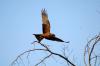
column 46, row 29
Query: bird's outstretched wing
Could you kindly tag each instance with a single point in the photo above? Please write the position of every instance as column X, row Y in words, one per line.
column 56, row 39
column 45, row 22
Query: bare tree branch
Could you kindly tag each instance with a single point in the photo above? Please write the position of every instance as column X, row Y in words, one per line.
column 43, row 60
column 89, row 53
column 47, row 49
column 89, row 50
column 19, row 56
column 61, row 56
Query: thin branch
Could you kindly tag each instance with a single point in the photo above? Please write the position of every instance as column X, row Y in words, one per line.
column 90, row 48
column 95, row 60
column 47, row 49
column 91, row 51
column 61, row 56
column 43, row 60
column 19, row 56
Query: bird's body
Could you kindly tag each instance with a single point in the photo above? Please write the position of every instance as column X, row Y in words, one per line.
column 46, row 29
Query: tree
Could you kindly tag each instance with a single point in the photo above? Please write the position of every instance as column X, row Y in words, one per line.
column 91, row 56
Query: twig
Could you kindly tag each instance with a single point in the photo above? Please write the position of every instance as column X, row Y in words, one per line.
column 43, row 60
column 61, row 56
column 90, row 48
column 47, row 49
column 19, row 56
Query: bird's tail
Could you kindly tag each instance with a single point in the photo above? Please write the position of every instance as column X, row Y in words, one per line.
column 38, row 37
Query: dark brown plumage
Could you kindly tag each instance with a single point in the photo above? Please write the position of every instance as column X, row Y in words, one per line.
column 46, row 29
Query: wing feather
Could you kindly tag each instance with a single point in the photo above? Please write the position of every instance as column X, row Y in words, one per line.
column 53, row 38
column 45, row 22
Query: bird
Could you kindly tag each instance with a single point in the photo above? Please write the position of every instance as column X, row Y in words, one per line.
column 46, row 29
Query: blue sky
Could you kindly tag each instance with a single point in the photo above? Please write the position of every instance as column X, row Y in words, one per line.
column 72, row 20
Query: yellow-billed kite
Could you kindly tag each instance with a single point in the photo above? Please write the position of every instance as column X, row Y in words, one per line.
column 46, row 29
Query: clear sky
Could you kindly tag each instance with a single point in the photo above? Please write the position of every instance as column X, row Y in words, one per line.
column 71, row 20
